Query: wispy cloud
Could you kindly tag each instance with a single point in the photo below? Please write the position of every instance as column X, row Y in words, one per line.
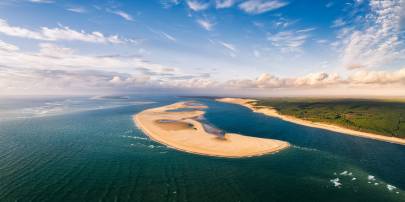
column 224, row 3
column 57, row 67
column 122, row 14
column 306, row 30
column 228, row 46
column 169, row 3
column 7, row 47
column 58, row 57
column 261, row 6
column 321, row 41
column 329, row 4
column 168, row 36
column 42, row 1
column 338, row 23
column 379, row 42
column 257, row 53
column 288, row 41
column 206, row 24
column 196, row 5
column 283, row 22
column 62, row 33
column 77, row 9
column 163, row 34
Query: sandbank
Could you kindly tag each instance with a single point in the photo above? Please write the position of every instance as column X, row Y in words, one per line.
column 183, row 131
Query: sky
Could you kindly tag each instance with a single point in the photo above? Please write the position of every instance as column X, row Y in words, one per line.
column 211, row 47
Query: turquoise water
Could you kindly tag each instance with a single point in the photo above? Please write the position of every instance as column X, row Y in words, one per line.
column 88, row 149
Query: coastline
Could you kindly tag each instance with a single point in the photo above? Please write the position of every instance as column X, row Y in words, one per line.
column 195, row 139
column 274, row 113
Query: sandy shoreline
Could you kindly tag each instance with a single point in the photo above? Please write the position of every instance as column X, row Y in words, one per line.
column 272, row 112
column 182, row 131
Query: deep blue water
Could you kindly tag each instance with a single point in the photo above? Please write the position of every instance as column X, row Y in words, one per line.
column 88, row 149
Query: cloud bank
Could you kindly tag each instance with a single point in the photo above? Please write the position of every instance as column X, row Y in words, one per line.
column 53, row 68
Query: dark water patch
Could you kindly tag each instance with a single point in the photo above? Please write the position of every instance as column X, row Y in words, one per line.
column 194, row 104
column 209, row 127
column 182, row 110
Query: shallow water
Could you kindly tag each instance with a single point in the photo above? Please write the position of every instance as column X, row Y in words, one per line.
column 90, row 150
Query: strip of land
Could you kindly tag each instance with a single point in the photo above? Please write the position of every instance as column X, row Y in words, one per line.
column 269, row 111
column 182, row 130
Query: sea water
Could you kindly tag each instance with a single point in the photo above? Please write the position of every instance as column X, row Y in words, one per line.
column 88, row 149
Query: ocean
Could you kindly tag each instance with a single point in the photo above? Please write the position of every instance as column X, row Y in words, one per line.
column 88, row 149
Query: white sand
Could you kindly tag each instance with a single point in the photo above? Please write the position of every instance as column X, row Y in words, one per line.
column 196, row 140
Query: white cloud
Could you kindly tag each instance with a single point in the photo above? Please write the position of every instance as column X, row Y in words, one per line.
column 378, row 77
column 206, row 24
column 329, row 4
column 358, row 2
column 42, row 1
column 52, row 50
column 77, row 9
column 7, row 47
column 288, row 41
column 224, row 3
column 321, row 41
column 257, row 53
column 51, row 56
column 323, row 80
column 261, row 6
column 163, row 34
column 283, row 22
column 306, row 30
column 168, row 36
column 193, row 83
column 379, row 42
column 59, row 68
column 62, row 33
column 338, row 23
column 129, row 80
column 39, row 81
column 310, row 80
column 122, row 14
column 169, row 3
column 197, row 5
column 228, row 46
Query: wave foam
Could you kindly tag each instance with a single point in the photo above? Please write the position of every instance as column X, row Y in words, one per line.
column 391, row 187
column 336, row 182
column 346, row 173
column 371, row 178
column 135, row 137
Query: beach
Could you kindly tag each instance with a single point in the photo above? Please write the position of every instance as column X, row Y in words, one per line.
column 274, row 113
column 178, row 126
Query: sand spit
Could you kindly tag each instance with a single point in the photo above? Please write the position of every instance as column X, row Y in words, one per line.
column 274, row 113
column 181, row 130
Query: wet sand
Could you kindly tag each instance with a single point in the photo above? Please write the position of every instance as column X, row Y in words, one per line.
column 181, row 130
column 274, row 113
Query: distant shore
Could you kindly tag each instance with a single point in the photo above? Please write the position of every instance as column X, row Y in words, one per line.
column 274, row 113
column 181, row 130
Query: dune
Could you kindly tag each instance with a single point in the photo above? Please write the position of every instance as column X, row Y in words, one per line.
column 274, row 113
column 181, row 130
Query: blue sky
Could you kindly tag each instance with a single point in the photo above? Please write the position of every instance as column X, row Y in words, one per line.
column 263, row 47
